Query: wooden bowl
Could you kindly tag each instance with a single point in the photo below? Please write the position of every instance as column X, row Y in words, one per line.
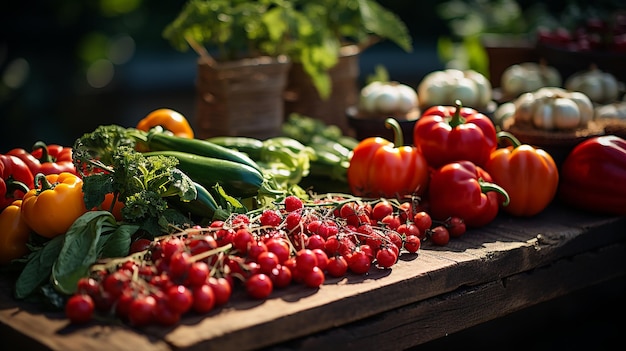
column 366, row 126
column 557, row 143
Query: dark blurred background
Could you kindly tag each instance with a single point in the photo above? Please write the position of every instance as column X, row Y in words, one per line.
column 68, row 66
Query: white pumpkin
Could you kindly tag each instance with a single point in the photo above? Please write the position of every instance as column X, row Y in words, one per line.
column 616, row 110
column 554, row 108
column 528, row 76
column 385, row 98
column 444, row 87
column 601, row 87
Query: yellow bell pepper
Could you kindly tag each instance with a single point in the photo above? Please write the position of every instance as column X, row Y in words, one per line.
column 168, row 119
column 14, row 233
column 54, row 204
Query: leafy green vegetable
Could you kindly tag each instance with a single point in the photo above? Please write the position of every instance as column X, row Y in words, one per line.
column 63, row 260
column 84, row 243
column 38, row 268
column 102, row 144
column 110, row 164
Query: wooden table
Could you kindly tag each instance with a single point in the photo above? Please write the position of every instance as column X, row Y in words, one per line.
column 488, row 273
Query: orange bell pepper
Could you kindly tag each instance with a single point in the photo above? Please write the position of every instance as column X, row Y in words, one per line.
column 54, row 204
column 169, row 120
column 519, row 168
column 14, row 233
column 381, row 168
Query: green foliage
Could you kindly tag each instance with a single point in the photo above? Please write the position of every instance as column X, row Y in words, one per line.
column 308, row 32
column 58, row 264
column 141, row 182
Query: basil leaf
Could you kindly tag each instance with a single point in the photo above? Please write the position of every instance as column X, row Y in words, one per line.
column 37, row 270
column 80, row 250
column 117, row 244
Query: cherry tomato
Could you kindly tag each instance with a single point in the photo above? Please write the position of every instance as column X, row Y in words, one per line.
column 267, row 261
column 423, row 221
column 179, row 298
column 359, row 262
column 164, row 315
column 405, row 211
column 88, row 286
column 222, row 289
column 412, row 243
column 409, row 228
column 259, row 286
column 392, row 221
column 281, row 276
column 198, row 273
column 456, row 227
column 79, row 308
column 440, row 235
column 140, row 245
column 293, row 203
column 243, row 240
column 141, row 310
column 337, row 266
column 386, row 257
column 280, row 247
column 305, row 260
column 203, row 298
column 314, row 278
column 322, row 258
column 381, row 210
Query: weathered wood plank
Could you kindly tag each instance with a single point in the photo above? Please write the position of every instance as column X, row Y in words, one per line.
column 506, row 248
column 436, row 317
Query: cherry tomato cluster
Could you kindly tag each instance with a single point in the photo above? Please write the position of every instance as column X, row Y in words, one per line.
column 197, row 269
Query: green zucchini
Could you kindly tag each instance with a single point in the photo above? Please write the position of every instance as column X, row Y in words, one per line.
column 168, row 142
column 203, row 206
column 237, row 179
column 249, row 146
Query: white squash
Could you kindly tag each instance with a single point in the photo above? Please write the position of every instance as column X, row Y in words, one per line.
column 528, row 76
column 444, row 87
column 554, row 108
column 601, row 87
column 384, row 98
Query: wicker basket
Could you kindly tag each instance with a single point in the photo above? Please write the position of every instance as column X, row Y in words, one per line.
column 302, row 97
column 241, row 98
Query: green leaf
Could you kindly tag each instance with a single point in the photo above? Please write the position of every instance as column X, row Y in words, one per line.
column 385, row 24
column 117, row 244
column 37, row 270
column 80, row 249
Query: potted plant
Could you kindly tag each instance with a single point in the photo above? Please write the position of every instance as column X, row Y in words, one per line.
column 349, row 27
column 244, row 52
column 303, row 39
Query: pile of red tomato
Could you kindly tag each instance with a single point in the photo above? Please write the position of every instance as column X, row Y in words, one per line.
column 197, row 269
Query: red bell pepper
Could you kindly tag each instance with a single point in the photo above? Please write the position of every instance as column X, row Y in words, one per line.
column 381, row 168
column 462, row 189
column 446, row 134
column 593, row 176
column 47, row 159
column 15, row 180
